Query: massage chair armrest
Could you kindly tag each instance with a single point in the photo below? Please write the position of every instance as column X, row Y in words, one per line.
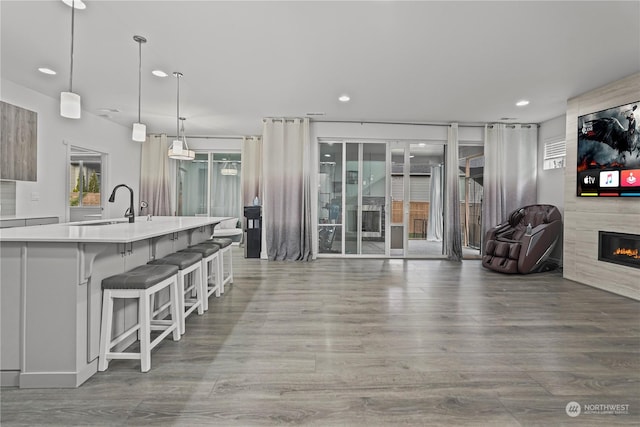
column 538, row 245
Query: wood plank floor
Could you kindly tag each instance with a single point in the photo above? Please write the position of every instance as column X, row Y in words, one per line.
column 340, row 342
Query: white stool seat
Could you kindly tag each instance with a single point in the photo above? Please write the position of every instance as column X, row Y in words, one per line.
column 141, row 283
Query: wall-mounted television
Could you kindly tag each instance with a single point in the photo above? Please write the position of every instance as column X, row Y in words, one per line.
column 609, row 153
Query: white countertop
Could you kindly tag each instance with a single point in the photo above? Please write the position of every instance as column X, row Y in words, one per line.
column 19, row 217
column 120, row 232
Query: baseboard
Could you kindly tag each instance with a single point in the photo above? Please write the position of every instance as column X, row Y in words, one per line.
column 58, row 379
column 9, row 378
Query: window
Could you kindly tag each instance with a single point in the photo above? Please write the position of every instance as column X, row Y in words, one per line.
column 85, row 179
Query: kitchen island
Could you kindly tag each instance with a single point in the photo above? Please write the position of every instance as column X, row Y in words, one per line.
column 51, row 296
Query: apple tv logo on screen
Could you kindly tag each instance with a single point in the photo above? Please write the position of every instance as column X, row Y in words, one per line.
column 589, row 180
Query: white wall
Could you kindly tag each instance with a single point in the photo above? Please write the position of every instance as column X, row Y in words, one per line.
column 228, row 145
column 54, row 132
column 551, row 182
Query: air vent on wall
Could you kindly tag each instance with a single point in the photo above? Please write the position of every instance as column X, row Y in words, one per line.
column 107, row 112
column 555, row 153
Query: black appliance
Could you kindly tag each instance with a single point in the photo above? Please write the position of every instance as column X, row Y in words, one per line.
column 253, row 239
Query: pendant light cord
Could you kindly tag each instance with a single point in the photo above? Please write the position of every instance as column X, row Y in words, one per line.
column 139, row 39
column 178, row 74
column 73, row 14
column 139, row 77
column 178, row 106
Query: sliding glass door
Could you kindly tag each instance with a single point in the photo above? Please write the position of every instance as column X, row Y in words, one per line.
column 366, row 199
column 417, row 190
column 210, row 185
column 193, row 182
column 352, row 198
column 471, row 166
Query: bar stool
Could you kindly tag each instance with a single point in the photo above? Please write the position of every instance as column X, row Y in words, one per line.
column 190, row 297
column 225, row 257
column 141, row 283
column 211, row 270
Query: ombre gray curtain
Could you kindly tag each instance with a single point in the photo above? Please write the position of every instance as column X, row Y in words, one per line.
column 434, row 225
column 287, row 189
column 453, row 229
column 510, row 171
column 155, row 186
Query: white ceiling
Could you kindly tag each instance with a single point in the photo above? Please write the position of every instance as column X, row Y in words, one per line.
column 399, row 61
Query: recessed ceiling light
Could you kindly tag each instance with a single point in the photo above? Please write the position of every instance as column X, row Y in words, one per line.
column 422, row 144
column 327, row 155
column 522, row 103
column 46, row 70
column 159, row 73
column 411, row 156
column 78, row 4
column 344, row 98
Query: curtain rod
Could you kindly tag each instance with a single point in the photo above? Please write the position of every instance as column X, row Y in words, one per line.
column 398, row 123
column 468, row 125
column 471, row 125
column 513, row 125
column 215, row 136
column 284, row 119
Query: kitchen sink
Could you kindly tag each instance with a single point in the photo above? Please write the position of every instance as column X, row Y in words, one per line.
column 99, row 223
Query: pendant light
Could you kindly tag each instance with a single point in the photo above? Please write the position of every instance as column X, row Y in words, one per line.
column 179, row 149
column 229, row 168
column 139, row 129
column 69, row 101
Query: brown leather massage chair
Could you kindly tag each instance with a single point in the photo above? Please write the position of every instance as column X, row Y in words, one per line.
column 524, row 242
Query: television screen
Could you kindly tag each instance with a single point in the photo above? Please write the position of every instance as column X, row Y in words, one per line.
column 609, row 152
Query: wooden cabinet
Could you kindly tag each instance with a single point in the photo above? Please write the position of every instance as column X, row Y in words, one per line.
column 18, row 143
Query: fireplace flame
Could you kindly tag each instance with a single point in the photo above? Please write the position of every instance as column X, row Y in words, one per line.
column 632, row 253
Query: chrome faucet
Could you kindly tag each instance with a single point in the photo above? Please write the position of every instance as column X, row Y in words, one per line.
column 129, row 213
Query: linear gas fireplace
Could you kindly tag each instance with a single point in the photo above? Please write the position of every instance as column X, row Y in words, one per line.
column 619, row 248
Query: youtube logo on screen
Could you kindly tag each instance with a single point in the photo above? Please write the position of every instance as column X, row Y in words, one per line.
column 630, row 178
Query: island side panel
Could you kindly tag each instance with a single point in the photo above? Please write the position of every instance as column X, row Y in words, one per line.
column 10, row 321
column 52, row 313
